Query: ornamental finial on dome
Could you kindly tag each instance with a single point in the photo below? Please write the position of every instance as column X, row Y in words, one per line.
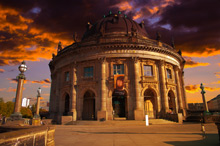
column 158, row 36
column 180, row 52
column 75, row 37
column 142, row 24
column 172, row 43
column 89, row 26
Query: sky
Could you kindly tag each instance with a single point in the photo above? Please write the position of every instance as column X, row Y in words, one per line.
column 31, row 29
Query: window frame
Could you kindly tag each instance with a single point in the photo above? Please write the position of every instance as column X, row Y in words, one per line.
column 89, row 73
column 67, row 76
column 169, row 73
column 151, row 71
column 118, row 69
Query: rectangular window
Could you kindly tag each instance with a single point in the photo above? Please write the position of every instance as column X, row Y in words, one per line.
column 118, row 69
column 67, row 76
column 88, row 72
column 148, row 70
column 169, row 75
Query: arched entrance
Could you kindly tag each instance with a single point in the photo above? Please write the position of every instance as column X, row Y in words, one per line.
column 89, row 106
column 171, row 100
column 149, row 103
column 119, row 104
column 66, row 105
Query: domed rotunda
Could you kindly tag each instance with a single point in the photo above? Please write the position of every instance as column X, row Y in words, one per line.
column 116, row 71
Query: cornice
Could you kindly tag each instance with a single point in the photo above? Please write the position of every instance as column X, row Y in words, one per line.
column 144, row 45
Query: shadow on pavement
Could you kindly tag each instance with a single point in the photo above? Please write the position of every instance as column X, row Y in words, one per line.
column 210, row 140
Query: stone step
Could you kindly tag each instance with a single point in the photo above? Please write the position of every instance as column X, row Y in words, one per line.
column 121, row 122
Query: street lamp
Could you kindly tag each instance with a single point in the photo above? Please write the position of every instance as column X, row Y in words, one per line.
column 37, row 115
column 203, row 97
column 21, row 77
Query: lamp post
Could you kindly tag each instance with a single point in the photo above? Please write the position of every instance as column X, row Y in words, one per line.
column 37, row 115
column 17, row 107
column 203, row 97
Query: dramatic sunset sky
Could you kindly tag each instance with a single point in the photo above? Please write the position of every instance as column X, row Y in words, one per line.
column 31, row 29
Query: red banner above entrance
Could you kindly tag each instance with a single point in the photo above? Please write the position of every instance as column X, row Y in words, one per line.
column 118, row 85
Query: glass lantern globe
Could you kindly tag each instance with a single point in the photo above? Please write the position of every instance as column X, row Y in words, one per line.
column 23, row 67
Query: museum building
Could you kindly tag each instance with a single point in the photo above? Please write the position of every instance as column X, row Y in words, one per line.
column 116, row 71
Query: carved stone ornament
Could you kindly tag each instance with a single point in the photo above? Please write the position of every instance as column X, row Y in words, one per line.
column 135, row 59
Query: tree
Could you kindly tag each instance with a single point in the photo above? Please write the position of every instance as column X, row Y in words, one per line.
column 26, row 112
column 2, row 107
column 6, row 109
column 33, row 108
column 9, row 108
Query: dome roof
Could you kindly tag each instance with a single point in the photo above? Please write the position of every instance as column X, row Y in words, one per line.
column 115, row 24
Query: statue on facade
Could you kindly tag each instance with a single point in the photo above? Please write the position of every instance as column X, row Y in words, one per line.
column 59, row 47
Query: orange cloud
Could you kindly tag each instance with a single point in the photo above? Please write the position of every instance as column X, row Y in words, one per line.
column 196, row 88
column 218, row 82
column 217, row 74
column 46, row 86
column 137, row 16
column 212, row 89
column 2, row 70
column 192, row 88
column 219, row 64
column 23, row 41
column 190, row 63
column 10, row 89
column 2, row 89
column 12, row 21
column 206, row 53
column 124, row 6
column 45, row 81
column 153, row 10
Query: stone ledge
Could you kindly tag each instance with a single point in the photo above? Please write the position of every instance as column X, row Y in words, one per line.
column 27, row 135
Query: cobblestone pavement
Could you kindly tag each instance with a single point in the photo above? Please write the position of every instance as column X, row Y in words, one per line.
column 187, row 134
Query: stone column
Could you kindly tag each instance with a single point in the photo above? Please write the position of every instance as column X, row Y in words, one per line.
column 102, row 114
column 163, row 90
column 139, row 112
column 17, row 107
column 52, row 105
column 58, row 113
column 185, row 106
column 38, row 106
column 179, row 95
column 73, row 96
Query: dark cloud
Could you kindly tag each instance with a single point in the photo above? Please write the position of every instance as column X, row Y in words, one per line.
column 28, row 26
column 195, row 24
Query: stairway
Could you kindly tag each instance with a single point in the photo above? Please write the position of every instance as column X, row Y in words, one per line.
column 122, row 122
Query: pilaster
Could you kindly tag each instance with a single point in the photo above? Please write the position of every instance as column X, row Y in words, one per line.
column 164, row 96
column 102, row 114
column 139, row 112
column 179, row 95
column 73, row 94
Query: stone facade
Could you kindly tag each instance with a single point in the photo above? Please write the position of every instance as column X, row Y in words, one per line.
column 83, row 74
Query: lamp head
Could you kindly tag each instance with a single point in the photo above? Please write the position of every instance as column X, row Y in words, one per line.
column 23, row 67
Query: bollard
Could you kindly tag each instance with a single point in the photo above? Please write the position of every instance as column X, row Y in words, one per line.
column 146, row 119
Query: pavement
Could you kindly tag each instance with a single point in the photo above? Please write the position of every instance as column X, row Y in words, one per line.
column 187, row 134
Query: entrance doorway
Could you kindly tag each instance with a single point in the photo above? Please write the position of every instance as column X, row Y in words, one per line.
column 89, row 106
column 149, row 103
column 119, row 104
column 66, row 105
column 171, row 100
